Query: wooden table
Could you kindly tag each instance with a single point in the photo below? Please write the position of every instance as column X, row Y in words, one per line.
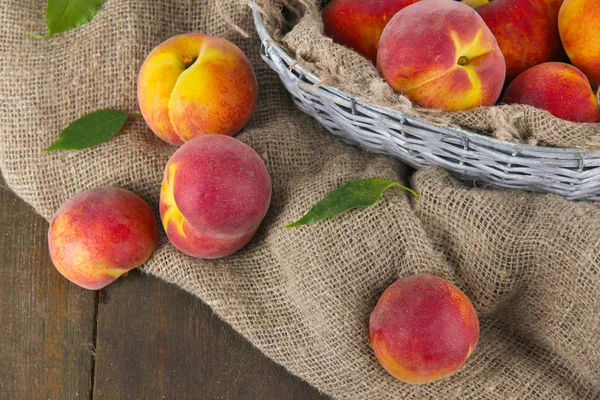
column 139, row 338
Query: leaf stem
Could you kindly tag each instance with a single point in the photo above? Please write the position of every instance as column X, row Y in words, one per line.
column 38, row 36
column 407, row 189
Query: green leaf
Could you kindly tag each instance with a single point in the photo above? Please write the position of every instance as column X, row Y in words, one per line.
column 64, row 15
column 358, row 193
column 90, row 130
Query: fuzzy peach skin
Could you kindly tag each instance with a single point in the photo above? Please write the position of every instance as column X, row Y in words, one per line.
column 441, row 55
column 100, row 234
column 526, row 30
column 559, row 88
column 423, row 328
column 195, row 84
column 579, row 26
column 215, row 193
column 358, row 24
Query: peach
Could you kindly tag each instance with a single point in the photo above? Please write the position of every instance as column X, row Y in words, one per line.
column 526, row 30
column 423, row 328
column 215, row 193
column 441, row 55
column 358, row 24
column 559, row 88
column 579, row 27
column 196, row 84
column 474, row 3
column 100, row 234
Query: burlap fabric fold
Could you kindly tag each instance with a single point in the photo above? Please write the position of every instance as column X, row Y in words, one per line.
column 303, row 296
column 341, row 67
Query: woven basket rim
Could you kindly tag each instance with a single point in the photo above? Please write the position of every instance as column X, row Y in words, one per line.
column 504, row 146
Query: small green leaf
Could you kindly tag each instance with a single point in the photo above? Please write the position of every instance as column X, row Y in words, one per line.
column 64, row 15
column 90, row 130
column 358, row 193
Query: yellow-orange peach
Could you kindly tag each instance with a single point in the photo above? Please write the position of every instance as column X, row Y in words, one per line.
column 526, row 31
column 559, row 88
column 423, row 328
column 358, row 24
column 579, row 26
column 474, row 3
column 196, row 84
column 441, row 55
column 100, row 234
column 215, row 193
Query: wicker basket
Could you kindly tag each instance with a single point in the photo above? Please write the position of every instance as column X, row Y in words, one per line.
column 570, row 173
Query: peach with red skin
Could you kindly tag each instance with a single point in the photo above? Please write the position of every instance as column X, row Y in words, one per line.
column 559, row 88
column 215, row 193
column 196, row 84
column 358, row 24
column 579, row 26
column 423, row 328
column 526, row 31
column 441, row 55
column 100, row 234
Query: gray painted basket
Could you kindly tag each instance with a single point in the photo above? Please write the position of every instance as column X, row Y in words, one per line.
column 570, row 173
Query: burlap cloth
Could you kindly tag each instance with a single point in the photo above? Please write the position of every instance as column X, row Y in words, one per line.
column 303, row 296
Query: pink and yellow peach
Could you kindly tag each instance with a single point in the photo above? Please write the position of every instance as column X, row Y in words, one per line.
column 196, row 84
column 423, row 328
column 441, row 55
column 215, row 193
column 100, row 234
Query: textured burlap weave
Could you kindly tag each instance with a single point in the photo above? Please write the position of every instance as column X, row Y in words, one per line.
column 341, row 67
column 303, row 296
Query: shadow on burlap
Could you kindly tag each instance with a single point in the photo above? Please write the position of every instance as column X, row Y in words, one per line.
column 303, row 296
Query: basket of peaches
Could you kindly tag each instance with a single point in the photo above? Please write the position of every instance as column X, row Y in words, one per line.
column 457, row 58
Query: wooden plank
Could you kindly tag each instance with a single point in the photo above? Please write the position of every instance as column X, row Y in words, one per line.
column 156, row 341
column 46, row 322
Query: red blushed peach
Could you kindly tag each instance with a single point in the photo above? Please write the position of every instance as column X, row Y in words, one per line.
column 526, row 31
column 215, row 193
column 579, row 26
column 358, row 24
column 423, row 328
column 196, row 84
column 559, row 88
column 100, row 234
column 441, row 55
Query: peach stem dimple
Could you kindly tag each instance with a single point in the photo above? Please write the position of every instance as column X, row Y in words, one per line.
column 462, row 61
column 188, row 60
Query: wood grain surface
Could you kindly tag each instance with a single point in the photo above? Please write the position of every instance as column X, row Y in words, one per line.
column 139, row 338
